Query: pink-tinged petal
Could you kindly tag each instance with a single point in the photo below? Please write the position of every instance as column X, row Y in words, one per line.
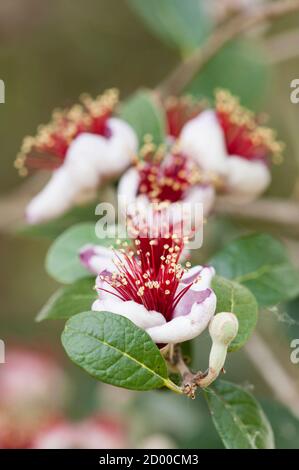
column 246, row 179
column 189, row 326
column 135, row 312
column 205, row 274
column 191, row 297
column 204, row 194
column 97, row 258
column 202, row 139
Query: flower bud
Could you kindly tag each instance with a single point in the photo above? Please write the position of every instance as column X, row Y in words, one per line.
column 223, row 329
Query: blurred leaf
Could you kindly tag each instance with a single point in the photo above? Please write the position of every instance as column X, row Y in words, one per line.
column 260, row 263
column 55, row 227
column 62, row 261
column 238, row 418
column 157, row 410
column 235, row 298
column 241, row 67
column 180, row 24
column 285, row 425
column 114, row 350
column 145, row 115
column 289, row 316
column 69, row 300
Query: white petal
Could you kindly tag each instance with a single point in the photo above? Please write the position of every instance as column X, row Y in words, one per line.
column 97, row 258
column 246, row 179
column 135, row 312
column 85, row 159
column 188, row 326
column 90, row 157
column 201, row 194
column 127, row 190
column 123, row 146
column 202, row 138
column 54, row 199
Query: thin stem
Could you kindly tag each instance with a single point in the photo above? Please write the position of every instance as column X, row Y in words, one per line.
column 177, row 81
column 284, row 213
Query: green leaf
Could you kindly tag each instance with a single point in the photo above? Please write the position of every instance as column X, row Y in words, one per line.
column 260, row 263
column 238, row 418
column 114, row 350
column 180, row 24
column 62, row 261
column 235, row 298
column 145, row 115
column 285, row 425
column 246, row 73
column 69, row 300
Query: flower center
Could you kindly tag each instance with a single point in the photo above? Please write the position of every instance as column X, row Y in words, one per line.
column 166, row 177
column 47, row 150
column 150, row 274
column 243, row 134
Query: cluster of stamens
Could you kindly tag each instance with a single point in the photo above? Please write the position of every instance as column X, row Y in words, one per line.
column 149, row 273
column 166, row 176
column 48, row 148
column 244, row 134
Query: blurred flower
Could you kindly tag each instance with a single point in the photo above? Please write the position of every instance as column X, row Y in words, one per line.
column 82, row 146
column 151, row 288
column 157, row 441
column 98, row 432
column 164, row 176
column 229, row 142
column 32, row 391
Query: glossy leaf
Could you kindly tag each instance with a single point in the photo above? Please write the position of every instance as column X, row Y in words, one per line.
column 235, row 298
column 260, row 263
column 63, row 262
column 69, row 300
column 114, row 350
column 238, row 418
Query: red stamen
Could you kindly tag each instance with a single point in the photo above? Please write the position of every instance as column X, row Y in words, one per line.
column 243, row 134
column 48, row 149
column 167, row 179
column 150, row 275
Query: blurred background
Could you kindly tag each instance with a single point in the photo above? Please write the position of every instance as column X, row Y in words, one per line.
column 51, row 52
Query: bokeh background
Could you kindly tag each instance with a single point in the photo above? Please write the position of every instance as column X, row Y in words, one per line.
column 51, row 52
